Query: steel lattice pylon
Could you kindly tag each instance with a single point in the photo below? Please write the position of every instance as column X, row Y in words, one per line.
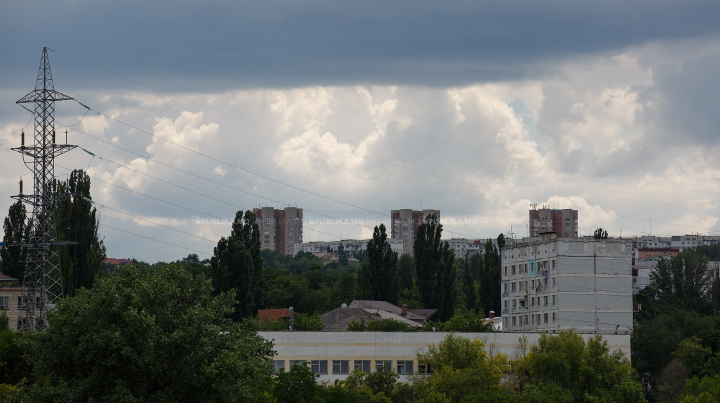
column 42, row 282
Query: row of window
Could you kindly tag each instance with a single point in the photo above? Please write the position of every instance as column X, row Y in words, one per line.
column 342, row 367
column 523, row 268
column 534, row 301
column 535, row 319
column 529, row 285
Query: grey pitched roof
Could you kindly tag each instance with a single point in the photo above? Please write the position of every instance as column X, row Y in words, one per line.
column 339, row 319
column 425, row 313
column 388, row 307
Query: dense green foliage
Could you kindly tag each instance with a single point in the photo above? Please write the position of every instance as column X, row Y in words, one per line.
column 379, row 275
column 677, row 336
column 583, row 369
column 16, row 231
column 75, row 219
column 435, row 266
column 148, row 335
column 78, row 221
column 237, row 266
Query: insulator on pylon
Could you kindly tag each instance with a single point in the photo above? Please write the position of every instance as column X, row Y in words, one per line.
column 65, row 136
column 54, row 186
column 53, row 136
column 22, row 138
column 20, row 185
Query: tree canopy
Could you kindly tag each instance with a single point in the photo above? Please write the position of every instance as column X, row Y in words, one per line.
column 435, row 267
column 148, row 335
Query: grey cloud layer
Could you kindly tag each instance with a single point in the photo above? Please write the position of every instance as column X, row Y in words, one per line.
column 211, row 45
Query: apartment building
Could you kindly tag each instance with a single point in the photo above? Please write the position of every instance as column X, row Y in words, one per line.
column 674, row 241
column 466, row 247
column 551, row 283
column 563, row 222
column 280, row 230
column 405, row 223
column 349, row 245
column 11, row 300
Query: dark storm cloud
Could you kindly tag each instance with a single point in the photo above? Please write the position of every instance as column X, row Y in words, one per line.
column 284, row 43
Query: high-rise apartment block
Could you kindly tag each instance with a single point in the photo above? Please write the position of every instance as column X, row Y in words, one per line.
column 405, row 224
column 551, row 284
column 280, row 230
column 564, row 223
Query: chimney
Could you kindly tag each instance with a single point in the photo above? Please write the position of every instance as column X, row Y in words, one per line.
column 404, row 309
column 492, row 314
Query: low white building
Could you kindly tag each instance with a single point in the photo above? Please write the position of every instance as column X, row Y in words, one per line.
column 551, row 284
column 333, row 355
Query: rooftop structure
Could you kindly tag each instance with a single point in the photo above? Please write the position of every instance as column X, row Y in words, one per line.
column 563, row 222
column 339, row 319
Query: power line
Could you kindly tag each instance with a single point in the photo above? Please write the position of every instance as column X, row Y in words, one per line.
column 235, row 188
column 156, row 240
column 323, row 145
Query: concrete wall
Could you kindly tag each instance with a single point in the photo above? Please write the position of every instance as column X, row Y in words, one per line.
column 393, row 346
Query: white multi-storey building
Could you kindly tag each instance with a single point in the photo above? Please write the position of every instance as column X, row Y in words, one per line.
column 551, row 284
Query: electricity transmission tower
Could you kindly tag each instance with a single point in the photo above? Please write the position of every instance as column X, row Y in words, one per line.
column 42, row 280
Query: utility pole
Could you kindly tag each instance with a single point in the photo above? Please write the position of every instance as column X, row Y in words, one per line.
column 42, row 280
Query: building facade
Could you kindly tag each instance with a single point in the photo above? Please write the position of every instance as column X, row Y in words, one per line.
column 405, row 223
column 551, row 284
column 333, row 355
column 466, row 247
column 563, row 222
column 280, row 230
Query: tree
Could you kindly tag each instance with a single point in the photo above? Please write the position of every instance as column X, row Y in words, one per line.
column 600, row 234
column 342, row 255
column 149, row 335
column 489, row 279
column 462, row 368
column 684, row 279
column 237, row 265
column 380, row 271
column 78, row 221
column 584, row 369
column 468, row 288
column 297, row 385
column 434, row 263
column 17, row 231
column 406, row 271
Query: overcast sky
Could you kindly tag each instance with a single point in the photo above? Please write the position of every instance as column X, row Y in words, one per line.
column 351, row 109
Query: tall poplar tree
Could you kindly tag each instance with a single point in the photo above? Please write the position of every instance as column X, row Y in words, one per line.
column 434, row 264
column 468, row 288
column 489, row 280
column 16, row 230
column 237, row 265
column 380, row 271
column 78, row 221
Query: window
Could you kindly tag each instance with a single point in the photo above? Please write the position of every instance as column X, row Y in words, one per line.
column 424, row 369
column 513, row 319
column 553, row 300
column 405, row 367
column 512, row 270
column 545, row 302
column 526, row 319
column 506, row 305
column 278, row 365
column 5, row 303
column 546, row 318
column 506, row 270
column 526, row 284
column 553, row 281
column 319, row 367
column 532, row 319
column 538, row 319
column 513, row 287
column 514, row 303
column 553, row 316
column 297, row 362
column 341, row 367
column 521, row 285
column 532, row 283
column 506, row 287
column 383, row 366
column 363, row 366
